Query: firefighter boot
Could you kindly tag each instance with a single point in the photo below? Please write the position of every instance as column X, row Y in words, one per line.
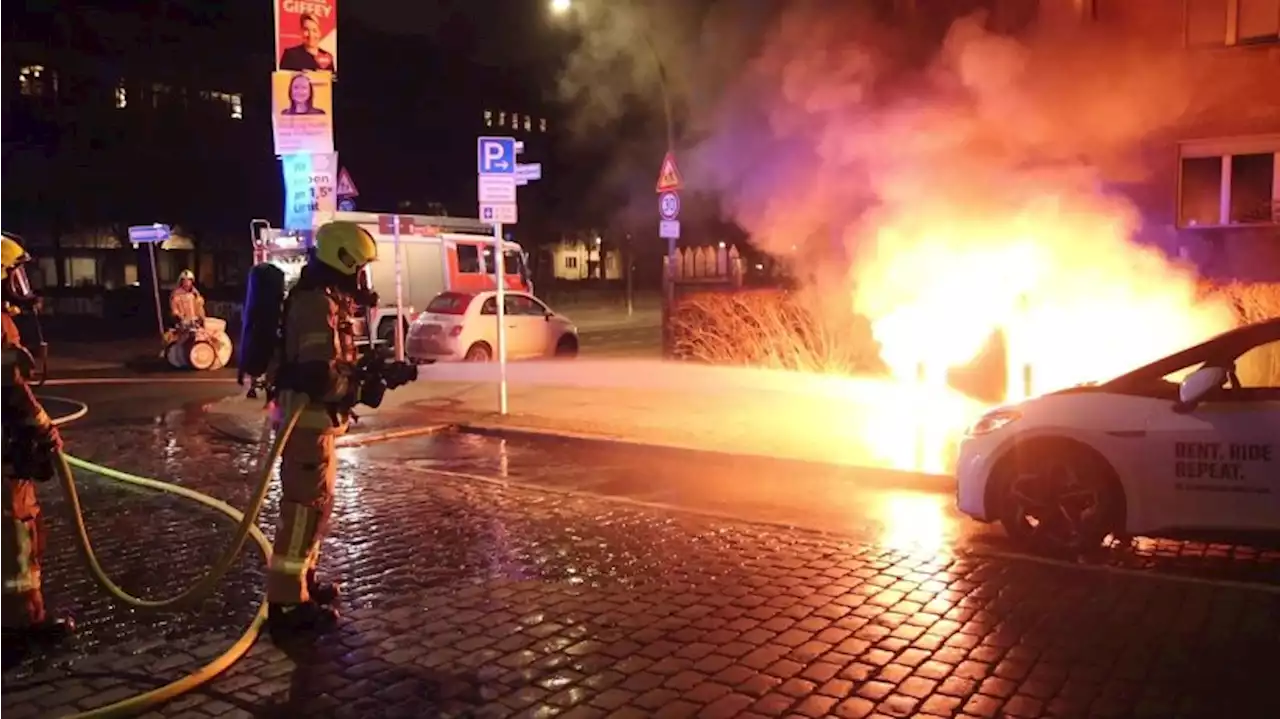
column 304, row 618
column 51, row 630
column 323, row 593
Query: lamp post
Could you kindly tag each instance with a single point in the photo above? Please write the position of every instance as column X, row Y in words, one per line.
column 560, row 8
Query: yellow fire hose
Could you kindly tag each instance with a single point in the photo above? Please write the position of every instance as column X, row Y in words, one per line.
column 202, row 589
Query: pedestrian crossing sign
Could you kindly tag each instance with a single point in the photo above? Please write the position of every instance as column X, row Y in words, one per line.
column 669, row 176
column 346, row 188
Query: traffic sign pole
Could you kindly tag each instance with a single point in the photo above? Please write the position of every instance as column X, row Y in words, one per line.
column 500, row 276
column 151, row 235
column 155, row 285
column 498, row 175
column 669, row 184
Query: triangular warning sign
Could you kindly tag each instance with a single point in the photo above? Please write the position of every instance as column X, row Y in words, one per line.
column 346, row 188
column 669, row 175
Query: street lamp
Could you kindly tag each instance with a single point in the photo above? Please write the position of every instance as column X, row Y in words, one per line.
column 561, row 8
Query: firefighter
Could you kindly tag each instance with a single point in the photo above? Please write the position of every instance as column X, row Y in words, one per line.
column 317, row 371
column 30, row 441
column 185, row 302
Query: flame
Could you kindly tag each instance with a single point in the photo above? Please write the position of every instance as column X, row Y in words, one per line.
column 973, row 196
column 1076, row 300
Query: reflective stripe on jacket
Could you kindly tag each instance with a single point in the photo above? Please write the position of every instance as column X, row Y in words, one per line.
column 186, row 305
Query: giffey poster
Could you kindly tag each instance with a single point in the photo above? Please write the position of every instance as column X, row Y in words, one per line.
column 310, row 189
column 307, row 35
column 302, row 111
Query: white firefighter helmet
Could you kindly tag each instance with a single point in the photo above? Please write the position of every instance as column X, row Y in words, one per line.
column 187, row 275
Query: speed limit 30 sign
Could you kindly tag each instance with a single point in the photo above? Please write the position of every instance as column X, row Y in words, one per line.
column 669, row 205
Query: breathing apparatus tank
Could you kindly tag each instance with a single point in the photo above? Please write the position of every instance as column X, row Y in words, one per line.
column 260, row 326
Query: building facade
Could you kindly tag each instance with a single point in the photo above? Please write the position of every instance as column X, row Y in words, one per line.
column 574, row 260
column 1212, row 190
column 109, row 122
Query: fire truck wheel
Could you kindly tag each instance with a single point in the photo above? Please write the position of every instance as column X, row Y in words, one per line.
column 202, row 356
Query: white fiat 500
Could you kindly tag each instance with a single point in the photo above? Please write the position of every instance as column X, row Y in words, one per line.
column 1187, row 444
column 464, row 326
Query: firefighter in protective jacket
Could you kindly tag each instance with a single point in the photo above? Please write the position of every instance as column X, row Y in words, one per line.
column 30, row 441
column 318, row 372
column 186, row 304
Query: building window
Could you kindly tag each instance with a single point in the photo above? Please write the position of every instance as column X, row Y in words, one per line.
column 488, row 118
column 528, row 123
column 122, row 96
column 233, row 101
column 502, row 119
column 1230, row 186
column 468, row 259
column 158, row 90
column 31, row 80
column 1232, row 22
column 542, row 125
column 570, row 263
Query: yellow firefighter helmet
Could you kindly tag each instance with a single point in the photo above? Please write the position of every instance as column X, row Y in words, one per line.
column 345, row 246
column 14, row 285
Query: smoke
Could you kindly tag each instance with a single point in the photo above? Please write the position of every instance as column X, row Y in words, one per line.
column 954, row 181
column 835, row 127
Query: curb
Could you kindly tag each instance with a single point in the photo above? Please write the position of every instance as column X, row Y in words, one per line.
column 918, row 480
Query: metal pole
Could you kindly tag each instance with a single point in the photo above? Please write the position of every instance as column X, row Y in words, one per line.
column 627, row 258
column 155, row 285
column 395, row 234
column 499, row 276
column 668, row 280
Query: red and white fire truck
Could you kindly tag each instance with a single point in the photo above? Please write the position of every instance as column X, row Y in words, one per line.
column 436, row 254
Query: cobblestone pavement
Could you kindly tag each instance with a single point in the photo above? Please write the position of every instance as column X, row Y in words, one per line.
column 465, row 598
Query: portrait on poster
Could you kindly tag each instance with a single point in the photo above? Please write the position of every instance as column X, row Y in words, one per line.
column 310, row 192
column 307, row 35
column 302, row 112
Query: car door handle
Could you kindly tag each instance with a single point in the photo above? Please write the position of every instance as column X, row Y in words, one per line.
column 1129, row 433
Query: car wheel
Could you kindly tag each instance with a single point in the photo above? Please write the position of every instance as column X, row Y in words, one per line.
column 479, row 352
column 1060, row 499
column 567, row 347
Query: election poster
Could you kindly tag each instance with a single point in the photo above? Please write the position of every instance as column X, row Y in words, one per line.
column 310, row 189
column 302, row 111
column 307, row 35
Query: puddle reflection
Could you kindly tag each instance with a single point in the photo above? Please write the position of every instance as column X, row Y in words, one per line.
column 915, row 521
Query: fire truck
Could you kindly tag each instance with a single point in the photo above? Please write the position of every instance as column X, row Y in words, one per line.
column 436, row 254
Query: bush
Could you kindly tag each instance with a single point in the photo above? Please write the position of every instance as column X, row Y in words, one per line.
column 810, row 331
column 773, row 329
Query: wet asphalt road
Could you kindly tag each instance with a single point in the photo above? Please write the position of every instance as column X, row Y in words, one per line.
column 484, row 577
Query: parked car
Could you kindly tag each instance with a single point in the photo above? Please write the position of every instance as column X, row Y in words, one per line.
column 462, row 326
column 1187, row 445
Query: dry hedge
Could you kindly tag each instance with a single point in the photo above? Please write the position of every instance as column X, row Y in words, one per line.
column 815, row 332
column 774, row 329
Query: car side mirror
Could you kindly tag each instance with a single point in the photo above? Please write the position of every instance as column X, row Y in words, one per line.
column 1198, row 385
column 548, row 315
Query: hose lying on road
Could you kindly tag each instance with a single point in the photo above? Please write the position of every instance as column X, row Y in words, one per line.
column 202, row 589
column 198, row 592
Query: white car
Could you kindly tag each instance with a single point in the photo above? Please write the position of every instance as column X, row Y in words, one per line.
column 1188, row 444
column 463, row 326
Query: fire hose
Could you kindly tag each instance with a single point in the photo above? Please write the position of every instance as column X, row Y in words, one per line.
column 197, row 592
column 387, row 374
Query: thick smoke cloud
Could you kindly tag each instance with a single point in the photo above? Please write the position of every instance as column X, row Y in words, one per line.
column 835, row 123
